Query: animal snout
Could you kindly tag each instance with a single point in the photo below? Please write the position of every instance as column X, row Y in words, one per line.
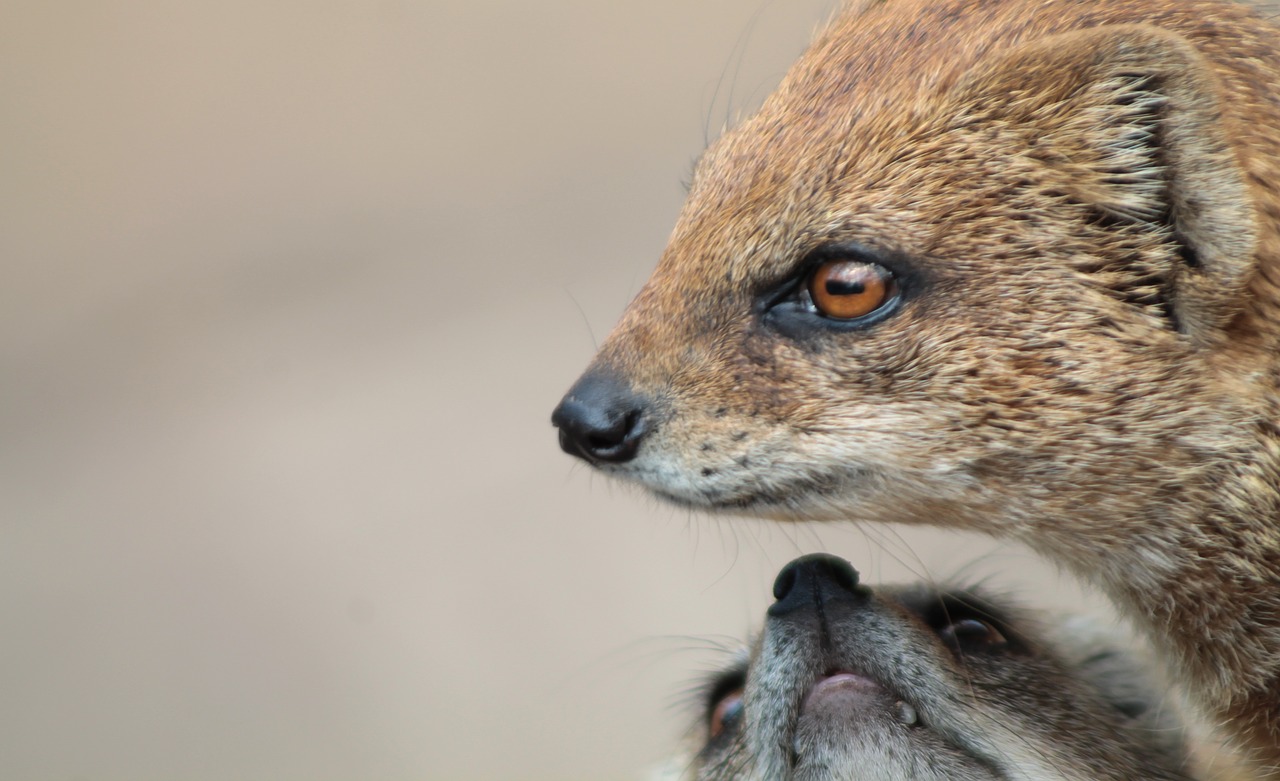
column 814, row 580
column 601, row 419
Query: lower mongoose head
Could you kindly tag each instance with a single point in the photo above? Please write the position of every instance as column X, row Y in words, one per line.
column 918, row 683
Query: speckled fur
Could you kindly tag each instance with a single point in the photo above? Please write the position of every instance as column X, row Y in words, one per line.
column 1085, row 196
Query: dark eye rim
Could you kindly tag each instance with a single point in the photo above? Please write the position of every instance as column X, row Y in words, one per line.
column 730, row 720
column 953, row 609
column 788, row 307
column 960, row 642
column 717, row 689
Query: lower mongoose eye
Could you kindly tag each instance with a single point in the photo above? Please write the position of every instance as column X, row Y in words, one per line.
column 970, row 634
column 727, row 712
column 849, row 289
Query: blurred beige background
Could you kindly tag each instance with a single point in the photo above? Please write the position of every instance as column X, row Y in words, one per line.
column 290, row 290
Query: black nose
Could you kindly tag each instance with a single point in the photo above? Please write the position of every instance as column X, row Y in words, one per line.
column 815, row 580
column 600, row 419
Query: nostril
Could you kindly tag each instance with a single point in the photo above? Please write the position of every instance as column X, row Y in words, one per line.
column 616, row 434
column 786, row 580
column 842, row 574
column 620, row 443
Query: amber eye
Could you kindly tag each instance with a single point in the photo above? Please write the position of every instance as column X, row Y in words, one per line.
column 970, row 634
column 849, row 289
column 726, row 713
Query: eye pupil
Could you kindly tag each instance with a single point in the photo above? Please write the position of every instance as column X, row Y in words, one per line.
column 838, row 287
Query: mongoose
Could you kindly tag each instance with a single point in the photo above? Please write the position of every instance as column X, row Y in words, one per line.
column 1012, row 266
column 915, row 683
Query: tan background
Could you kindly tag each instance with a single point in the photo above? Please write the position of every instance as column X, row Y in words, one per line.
column 290, row 290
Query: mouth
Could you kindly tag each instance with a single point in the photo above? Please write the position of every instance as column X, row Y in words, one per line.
column 801, row 496
column 849, row 696
column 845, row 713
column 848, row 692
column 841, row 688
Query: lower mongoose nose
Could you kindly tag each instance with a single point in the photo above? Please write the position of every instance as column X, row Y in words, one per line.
column 600, row 419
column 811, row 580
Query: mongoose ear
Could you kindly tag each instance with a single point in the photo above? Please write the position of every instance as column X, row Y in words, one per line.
column 1125, row 679
column 1129, row 115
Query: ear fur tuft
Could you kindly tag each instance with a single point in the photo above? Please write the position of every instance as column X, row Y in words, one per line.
column 1128, row 176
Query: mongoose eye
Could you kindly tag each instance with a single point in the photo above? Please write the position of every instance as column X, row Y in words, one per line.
column 727, row 712
column 849, row 289
column 971, row 634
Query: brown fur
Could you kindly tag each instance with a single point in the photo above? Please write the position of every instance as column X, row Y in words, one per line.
column 1083, row 202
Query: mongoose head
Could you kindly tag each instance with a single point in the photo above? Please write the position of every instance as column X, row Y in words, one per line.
column 916, row 683
column 967, row 256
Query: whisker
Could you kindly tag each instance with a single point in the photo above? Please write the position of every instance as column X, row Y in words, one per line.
column 595, row 343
